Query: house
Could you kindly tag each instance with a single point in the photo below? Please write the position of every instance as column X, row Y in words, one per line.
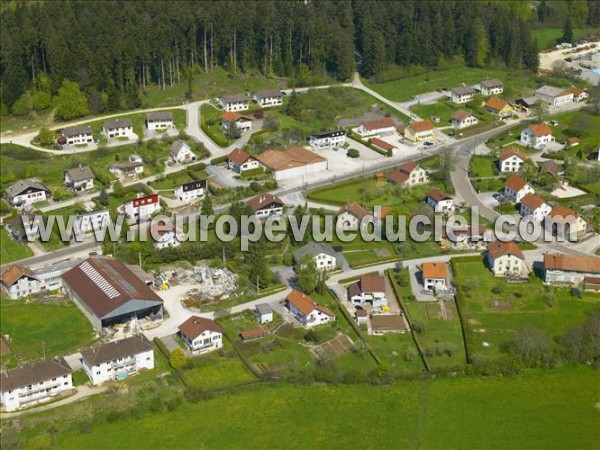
column 239, row 161
column 381, row 144
column 379, row 127
column 135, row 159
column 21, row 281
column 268, row 98
column 532, row 205
column 127, row 170
column 524, row 104
column 90, row 221
column 118, row 360
column 141, row 208
column 388, row 323
column 232, row 103
column 229, row 118
column 360, row 315
column 306, row 311
column 500, row 108
column 292, row 162
column 27, row 192
column 462, row 94
column 163, row 234
column 466, row 238
column 419, row 130
column 35, row 383
column 119, row 128
column 264, row 313
column 201, row 335
column 511, row 159
column 77, row 135
column 330, row 139
column 181, row 152
column 107, row 292
column 560, row 268
column 409, row 174
column 564, row 222
column 250, row 335
column 265, row 205
column 463, row 119
column 505, row 259
column 191, row 191
column 324, row 256
column 579, row 95
column 536, row 135
column 435, row 276
column 159, row 120
column 368, row 289
column 440, row 201
column 554, row 96
column 80, row 178
column 350, row 216
column 490, row 87
column 572, row 142
column 516, row 188
column 550, row 167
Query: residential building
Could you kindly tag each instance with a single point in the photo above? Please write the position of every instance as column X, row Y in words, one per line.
column 118, row 360
column 264, row 313
column 505, row 259
column 532, row 205
column 267, row 99
column 107, row 292
column 188, row 192
column 292, row 162
column 419, row 130
column 201, row 335
column 565, row 223
column 79, row 179
column 554, row 96
column 511, row 159
column 229, row 118
column 77, row 135
column 466, row 238
column 27, row 192
column 119, row 128
column 524, row 104
column 238, row 102
column 93, row 220
column 35, row 383
column 163, row 234
column 560, row 268
column 21, row 281
column 500, row 108
column 323, row 255
column 516, row 188
column 350, row 216
column 579, row 95
column 135, row 159
column 141, row 209
column 159, row 120
column 239, row 161
column 306, row 311
column 462, row 94
column 550, row 167
column 331, row 139
column 572, row 142
column 440, row 201
column 435, row 276
column 265, row 205
column 490, row 87
column 369, row 289
column 536, row 135
column 379, row 127
column 463, row 119
column 409, row 174
column 361, row 315
column 181, row 152
column 127, row 170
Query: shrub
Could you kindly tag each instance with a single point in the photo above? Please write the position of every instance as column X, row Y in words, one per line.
column 352, row 153
column 219, row 160
column 255, row 186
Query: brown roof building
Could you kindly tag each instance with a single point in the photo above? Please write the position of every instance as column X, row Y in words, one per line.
column 512, row 151
column 355, row 210
column 540, row 129
column 265, row 201
column 378, row 124
column 288, row 158
column 497, row 249
column 115, row 350
column 515, row 183
column 239, row 156
column 195, row 326
column 495, row 104
column 34, row 374
column 435, row 270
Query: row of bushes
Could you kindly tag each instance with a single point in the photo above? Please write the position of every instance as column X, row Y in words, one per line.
column 352, row 135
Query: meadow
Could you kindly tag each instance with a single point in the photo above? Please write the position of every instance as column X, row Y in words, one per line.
column 11, row 250
column 547, row 37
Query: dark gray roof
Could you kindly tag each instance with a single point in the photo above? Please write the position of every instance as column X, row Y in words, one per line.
column 491, row 83
column 193, row 185
column 268, row 94
column 235, row 98
column 551, row 91
column 159, row 115
column 35, row 373
column 313, row 249
column 264, row 308
column 80, row 173
column 22, row 185
column 117, row 123
column 463, row 90
column 115, row 350
column 329, row 134
column 76, row 131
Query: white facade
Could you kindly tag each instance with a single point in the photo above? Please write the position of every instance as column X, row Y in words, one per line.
column 207, row 341
column 35, row 393
column 312, row 319
column 299, row 172
column 328, row 140
column 347, row 221
column 29, row 198
column 166, row 240
column 243, row 124
column 189, row 195
column 377, row 299
column 159, row 123
column 95, row 220
column 511, row 164
column 518, row 195
column 435, row 284
column 490, row 90
column 249, row 164
column 34, row 282
column 538, row 213
column 363, row 131
column 528, row 138
column 554, row 96
column 78, row 135
column 266, row 101
column 114, row 130
column 468, row 121
column 442, row 206
column 119, row 368
column 273, row 210
column 183, row 154
column 462, row 95
column 507, row 265
column 325, row 261
column 127, row 170
column 417, row 176
column 234, row 104
column 142, row 208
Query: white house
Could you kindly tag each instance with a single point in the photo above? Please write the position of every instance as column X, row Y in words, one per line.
column 191, row 191
column 419, row 130
column 579, row 95
column 463, row 94
column 127, row 170
column 409, row 174
column 463, row 119
column 201, row 335
column 440, row 201
column 141, row 208
column 505, row 259
column 554, row 96
column 36, row 383
column 379, row 127
column 350, row 216
column 80, row 178
column 164, row 235
column 306, row 311
column 264, row 313
column 516, row 188
column 239, row 161
column 27, row 192
column 435, row 276
column 119, row 128
column 239, row 102
column 369, row 289
column 512, row 159
column 532, row 205
column 490, row 87
column 181, row 152
column 244, row 123
column 565, row 223
column 268, row 98
column 536, row 135
column 77, row 135
column 560, row 268
column 265, row 205
column 324, row 256
column 159, row 120
column 292, row 163
column 118, row 360
column 93, row 220
column 21, row 281
column 331, row 139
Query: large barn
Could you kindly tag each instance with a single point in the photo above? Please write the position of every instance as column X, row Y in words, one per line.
column 108, row 292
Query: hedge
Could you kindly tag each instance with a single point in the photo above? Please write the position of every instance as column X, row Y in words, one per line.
column 219, row 160
column 352, row 135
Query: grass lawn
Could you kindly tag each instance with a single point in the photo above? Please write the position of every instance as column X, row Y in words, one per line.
column 210, row 120
column 61, row 327
column 168, row 182
column 483, row 166
column 11, row 250
column 578, row 123
column 546, row 37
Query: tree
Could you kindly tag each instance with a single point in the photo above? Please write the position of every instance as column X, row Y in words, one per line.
column 307, row 275
column 177, row 359
column 103, row 197
column 207, row 206
column 532, row 347
column 258, row 271
column 233, row 131
column 293, row 107
column 45, row 137
column 23, row 105
column 567, row 35
column 71, row 102
column 41, row 100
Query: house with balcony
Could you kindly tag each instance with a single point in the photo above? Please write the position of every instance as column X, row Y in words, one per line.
column 128, row 170
column 141, row 208
column 463, row 119
column 266, row 99
column 323, row 255
column 506, row 259
column 27, row 192
column 369, row 289
column 201, row 335
column 21, row 281
column 188, row 192
column 159, row 120
column 490, row 87
column 419, row 130
column 515, row 188
column 330, row 139
column 233, row 103
column 307, row 311
column 230, row 119
column 409, row 174
column 240, row 160
column 265, row 205
column 462, row 94
column 77, row 135
column 536, row 135
column 435, row 276
column 440, row 201
column 79, row 179
column 500, row 108
column 511, row 159
column 534, row 206
column 377, row 127
column 181, row 153
column 121, row 129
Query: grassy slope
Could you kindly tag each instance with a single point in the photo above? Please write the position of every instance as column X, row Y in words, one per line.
column 547, row 37
column 10, row 250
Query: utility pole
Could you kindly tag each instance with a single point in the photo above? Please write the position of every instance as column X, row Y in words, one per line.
column 257, row 288
column 140, row 259
column 44, row 350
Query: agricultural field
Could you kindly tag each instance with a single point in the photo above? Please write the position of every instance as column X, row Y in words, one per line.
column 11, row 250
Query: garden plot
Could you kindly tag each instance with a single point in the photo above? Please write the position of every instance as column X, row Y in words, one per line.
column 333, row 348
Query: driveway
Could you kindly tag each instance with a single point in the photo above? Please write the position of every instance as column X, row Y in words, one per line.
column 416, row 285
column 225, row 177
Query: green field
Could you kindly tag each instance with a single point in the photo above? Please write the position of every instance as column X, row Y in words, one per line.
column 483, row 166
column 546, row 37
column 11, row 250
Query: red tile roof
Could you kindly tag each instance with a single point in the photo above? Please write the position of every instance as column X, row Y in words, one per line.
column 460, row 115
column 372, row 283
column 495, row 104
column 435, row 270
column 418, row 126
column 231, row 116
column 239, row 156
column 195, row 326
column 381, row 143
column 437, row 195
column 532, row 201
column 253, row 334
column 513, row 151
column 540, row 129
column 288, row 158
column 516, row 183
column 263, row 200
column 499, row 248
column 377, row 124
column 13, row 273
column 572, row 263
column 354, row 209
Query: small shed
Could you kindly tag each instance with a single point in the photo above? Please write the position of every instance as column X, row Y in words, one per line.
column 264, row 313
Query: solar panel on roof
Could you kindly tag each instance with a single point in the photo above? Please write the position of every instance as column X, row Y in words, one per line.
column 127, row 286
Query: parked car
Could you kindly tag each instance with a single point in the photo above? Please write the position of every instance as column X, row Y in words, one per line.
column 498, row 196
column 426, row 292
column 428, row 143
